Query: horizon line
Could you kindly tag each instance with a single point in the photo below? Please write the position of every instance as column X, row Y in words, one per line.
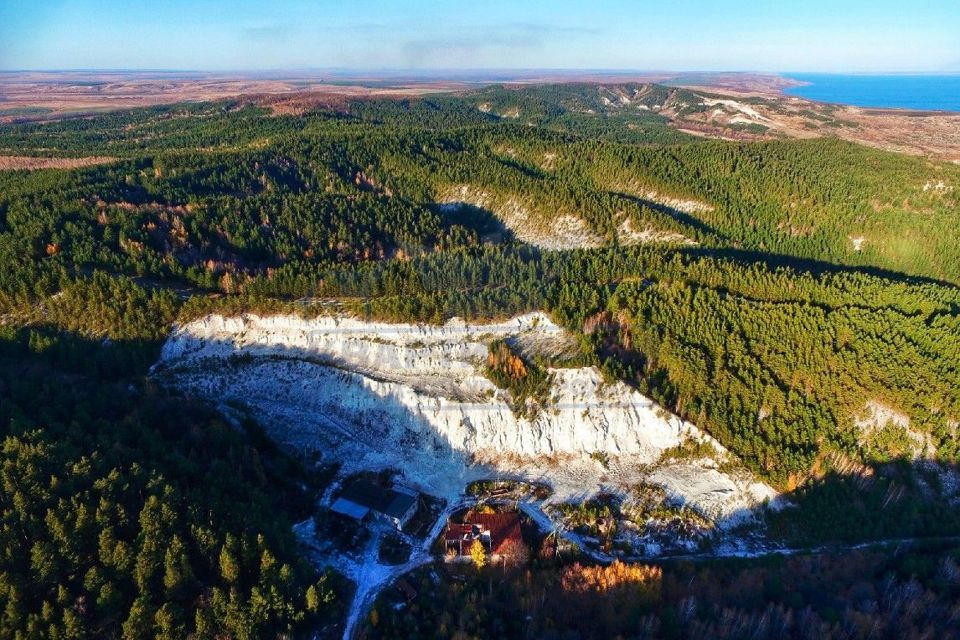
column 466, row 70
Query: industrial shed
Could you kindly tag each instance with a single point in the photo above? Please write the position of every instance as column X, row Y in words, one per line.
column 362, row 499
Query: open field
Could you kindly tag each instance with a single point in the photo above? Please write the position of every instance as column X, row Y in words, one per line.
column 50, row 95
column 765, row 115
column 8, row 163
column 746, row 106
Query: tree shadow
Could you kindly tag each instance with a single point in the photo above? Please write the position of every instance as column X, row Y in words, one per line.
column 488, row 227
column 811, row 266
column 899, row 500
column 682, row 217
column 324, row 405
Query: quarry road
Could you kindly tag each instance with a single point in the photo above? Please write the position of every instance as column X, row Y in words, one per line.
column 534, row 512
column 542, row 520
column 792, row 551
column 546, row 525
column 372, row 577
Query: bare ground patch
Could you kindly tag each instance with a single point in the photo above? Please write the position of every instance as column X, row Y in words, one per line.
column 554, row 232
column 30, row 163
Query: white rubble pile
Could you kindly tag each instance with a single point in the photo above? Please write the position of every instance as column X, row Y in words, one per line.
column 412, row 397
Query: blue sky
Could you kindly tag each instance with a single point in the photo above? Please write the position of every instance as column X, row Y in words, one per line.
column 763, row 35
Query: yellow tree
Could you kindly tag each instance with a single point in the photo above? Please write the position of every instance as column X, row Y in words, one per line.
column 478, row 554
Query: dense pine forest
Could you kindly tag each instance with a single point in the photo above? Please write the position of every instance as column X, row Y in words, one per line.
column 769, row 292
column 856, row 596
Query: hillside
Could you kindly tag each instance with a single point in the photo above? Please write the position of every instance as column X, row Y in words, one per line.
column 640, row 312
column 390, row 384
column 552, row 179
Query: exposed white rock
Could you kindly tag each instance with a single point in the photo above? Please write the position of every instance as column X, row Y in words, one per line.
column 557, row 232
column 739, row 119
column 683, row 205
column 745, row 109
column 937, row 187
column 549, row 161
column 412, row 397
column 686, row 205
column 627, row 234
column 875, row 416
column 712, row 492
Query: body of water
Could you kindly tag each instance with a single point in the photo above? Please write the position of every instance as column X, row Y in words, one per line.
column 927, row 92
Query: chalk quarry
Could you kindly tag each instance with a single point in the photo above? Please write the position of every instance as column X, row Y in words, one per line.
column 413, row 397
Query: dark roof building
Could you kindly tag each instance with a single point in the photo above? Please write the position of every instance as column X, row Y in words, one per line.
column 362, row 497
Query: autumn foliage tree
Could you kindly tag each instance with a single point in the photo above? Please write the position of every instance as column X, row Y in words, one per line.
column 502, row 360
column 515, row 553
column 527, row 383
column 642, row 582
column 617, row 592
column 478, row 554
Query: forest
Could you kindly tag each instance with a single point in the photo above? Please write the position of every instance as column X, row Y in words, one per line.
column 130, row 512
column 778, row 291
column 860, row 595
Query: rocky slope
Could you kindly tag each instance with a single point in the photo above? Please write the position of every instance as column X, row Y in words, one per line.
column 413, row 397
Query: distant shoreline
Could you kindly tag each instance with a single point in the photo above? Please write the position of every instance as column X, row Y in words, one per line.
column 49, row 95
column 920, row 93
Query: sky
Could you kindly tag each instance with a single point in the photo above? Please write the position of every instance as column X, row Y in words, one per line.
column 674, row 35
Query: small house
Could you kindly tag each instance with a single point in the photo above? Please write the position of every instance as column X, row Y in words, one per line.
column 362, row 498
column 496, row 531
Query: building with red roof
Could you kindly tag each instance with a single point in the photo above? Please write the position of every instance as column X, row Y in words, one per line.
column 496, row 531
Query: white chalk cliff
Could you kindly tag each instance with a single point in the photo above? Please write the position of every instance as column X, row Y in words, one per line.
column 413, row 397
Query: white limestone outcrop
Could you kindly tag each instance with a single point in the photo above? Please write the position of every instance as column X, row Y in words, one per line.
column 413, row 397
